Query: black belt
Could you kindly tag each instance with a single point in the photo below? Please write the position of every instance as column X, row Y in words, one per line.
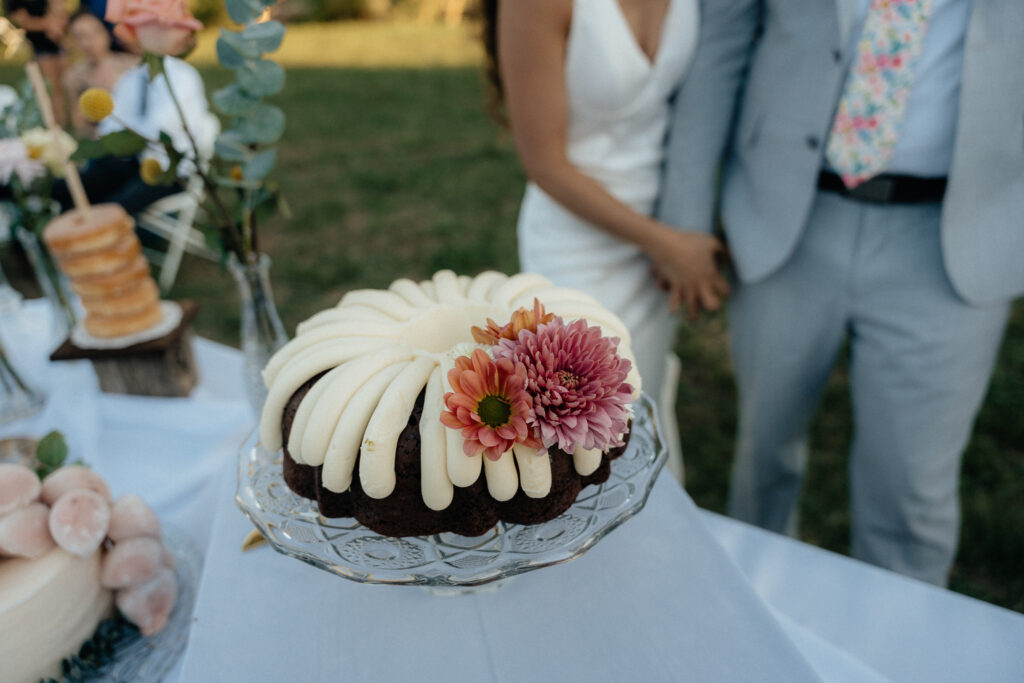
column 887, row 188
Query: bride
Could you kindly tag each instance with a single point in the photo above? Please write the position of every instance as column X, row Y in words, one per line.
column 586, row 85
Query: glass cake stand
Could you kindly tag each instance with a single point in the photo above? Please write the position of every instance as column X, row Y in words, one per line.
column 293, row 526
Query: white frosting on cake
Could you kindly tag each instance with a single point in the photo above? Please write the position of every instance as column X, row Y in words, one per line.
column 534, row 470
column 435, row 485
column 586, row 460
column 48, row 608
column 379, row 349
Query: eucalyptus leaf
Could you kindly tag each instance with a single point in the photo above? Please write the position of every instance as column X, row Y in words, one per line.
column 260, row 165
column 261, row 78
column 233, row 101
column 262, row 125
column 265, row 37
column 243, row 11
column 234, row 42
column 123, row 143
column 89, row 149
column 228, row 55
column 230, row 147
column 52, row 450
column 238, row 40
column 237, row 185
column 265, row 205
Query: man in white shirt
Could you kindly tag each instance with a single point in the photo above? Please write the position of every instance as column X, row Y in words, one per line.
column 147, row 108
column 872, row 194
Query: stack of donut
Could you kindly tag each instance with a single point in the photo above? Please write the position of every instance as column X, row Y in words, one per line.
column 101, row 255
column 71, row 509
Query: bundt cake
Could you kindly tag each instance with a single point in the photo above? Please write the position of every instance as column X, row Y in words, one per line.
column 459, row 401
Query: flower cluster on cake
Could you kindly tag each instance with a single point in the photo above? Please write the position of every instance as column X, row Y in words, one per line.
column 452, row 403
column 69, row 555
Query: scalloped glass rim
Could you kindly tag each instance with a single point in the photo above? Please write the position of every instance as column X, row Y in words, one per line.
column 293, row 526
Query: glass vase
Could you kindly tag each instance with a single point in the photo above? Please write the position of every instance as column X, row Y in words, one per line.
column 262, row 332
column 10, row 299
column 52, row 282
column 17, row 398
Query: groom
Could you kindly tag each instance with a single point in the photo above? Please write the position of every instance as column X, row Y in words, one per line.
column 872, row 192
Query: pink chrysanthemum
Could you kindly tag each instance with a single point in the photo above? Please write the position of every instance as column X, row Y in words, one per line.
column 489, row 404
column 577, row 382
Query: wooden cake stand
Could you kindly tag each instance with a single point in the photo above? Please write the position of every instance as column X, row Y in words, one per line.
column 158, row 367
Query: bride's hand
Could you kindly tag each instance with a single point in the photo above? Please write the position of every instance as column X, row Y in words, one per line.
column 686, row 263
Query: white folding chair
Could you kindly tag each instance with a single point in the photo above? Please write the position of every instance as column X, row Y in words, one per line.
column 172, row 218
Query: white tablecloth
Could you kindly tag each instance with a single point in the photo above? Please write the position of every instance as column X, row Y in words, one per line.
column 674, row 594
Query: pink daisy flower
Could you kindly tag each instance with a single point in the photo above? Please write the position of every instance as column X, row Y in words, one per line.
column 489, row 404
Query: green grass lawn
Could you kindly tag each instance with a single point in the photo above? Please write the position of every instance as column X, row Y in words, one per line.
column 396, row 172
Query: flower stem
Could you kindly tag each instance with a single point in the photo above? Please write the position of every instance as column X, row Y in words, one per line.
column 228, row 228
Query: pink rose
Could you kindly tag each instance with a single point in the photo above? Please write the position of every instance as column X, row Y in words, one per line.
column 163, row 27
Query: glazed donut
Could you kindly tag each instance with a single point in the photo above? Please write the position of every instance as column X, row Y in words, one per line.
column 106, row 326
column 125, row 301
column 76, row 232
column 126, row 249
column 114, row 282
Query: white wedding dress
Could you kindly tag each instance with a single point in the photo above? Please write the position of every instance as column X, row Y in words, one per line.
column 618, row 117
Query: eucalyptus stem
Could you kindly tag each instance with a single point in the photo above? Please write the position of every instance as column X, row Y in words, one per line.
column 8, row 374
column 247, row 225
column 211, row 187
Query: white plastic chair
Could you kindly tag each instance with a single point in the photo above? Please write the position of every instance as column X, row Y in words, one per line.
column 173, row 218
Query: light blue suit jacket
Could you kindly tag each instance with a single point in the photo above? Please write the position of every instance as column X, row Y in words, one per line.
column 759, row 101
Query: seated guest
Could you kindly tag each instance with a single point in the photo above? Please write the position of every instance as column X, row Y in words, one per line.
column 99, row 67
column 148, row 108
column 98, row 8
column 45, row 23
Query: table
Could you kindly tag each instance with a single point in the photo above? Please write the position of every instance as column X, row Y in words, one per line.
column 675, row 593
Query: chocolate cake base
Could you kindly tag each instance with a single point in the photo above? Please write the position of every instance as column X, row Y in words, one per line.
column 472, row 511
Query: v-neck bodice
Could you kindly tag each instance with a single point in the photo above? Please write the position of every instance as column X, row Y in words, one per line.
column 651, row 59
column 618, row 96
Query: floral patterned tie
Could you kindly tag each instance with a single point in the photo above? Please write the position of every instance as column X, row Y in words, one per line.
column 867, row 121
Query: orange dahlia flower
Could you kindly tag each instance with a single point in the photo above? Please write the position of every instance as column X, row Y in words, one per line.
column 489, row 404
column 522, row 319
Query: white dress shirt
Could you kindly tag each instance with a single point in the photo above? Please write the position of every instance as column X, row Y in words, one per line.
column 147, row 108
column 928, row 129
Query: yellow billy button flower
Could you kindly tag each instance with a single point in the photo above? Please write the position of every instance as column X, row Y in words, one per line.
column 150, row 171
column 236, row 173
column 96, row 104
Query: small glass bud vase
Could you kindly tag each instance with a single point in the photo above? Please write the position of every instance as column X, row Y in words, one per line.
column 17, row 398
column 262, row 332
column 52, row 282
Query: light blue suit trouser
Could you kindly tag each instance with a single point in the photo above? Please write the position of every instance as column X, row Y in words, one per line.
column 920, row 361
